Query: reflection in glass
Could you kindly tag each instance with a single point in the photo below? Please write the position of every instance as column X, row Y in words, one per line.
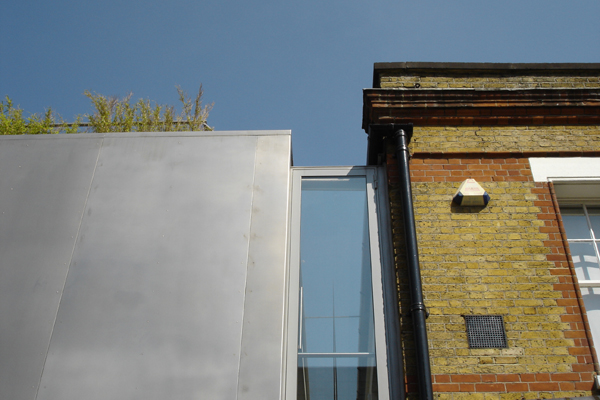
column 336, row 347
column 585, row 261
column 591, row 299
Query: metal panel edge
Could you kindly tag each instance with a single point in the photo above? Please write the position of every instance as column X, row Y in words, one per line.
column 147, row 134
column 261, row 355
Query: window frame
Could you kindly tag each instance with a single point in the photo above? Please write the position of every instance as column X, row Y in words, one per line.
column 576, row 180
column 595, row 241
column 568, row 194
column 379, row 241
column 581, row 191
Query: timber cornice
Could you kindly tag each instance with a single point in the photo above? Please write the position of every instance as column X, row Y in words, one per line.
column 436, row 107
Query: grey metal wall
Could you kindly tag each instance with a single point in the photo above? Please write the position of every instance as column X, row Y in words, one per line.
column 143, row 266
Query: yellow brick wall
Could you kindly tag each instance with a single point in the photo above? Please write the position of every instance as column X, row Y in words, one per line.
column 503, row 259
column 509, row 138
column 488, row 82
column 492, row 261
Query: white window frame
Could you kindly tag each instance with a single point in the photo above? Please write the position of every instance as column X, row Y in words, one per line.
column 588, row 283
column 582, row 192
column 378, row 246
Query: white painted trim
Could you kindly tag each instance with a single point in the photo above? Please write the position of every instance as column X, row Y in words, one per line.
column 589, row 283
column 546, row 169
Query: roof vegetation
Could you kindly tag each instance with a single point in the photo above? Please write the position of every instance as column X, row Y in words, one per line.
column 111, row 114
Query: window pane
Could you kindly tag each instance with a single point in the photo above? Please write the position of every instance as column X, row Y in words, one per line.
column 317, row 335
column 346, row 335
column 315, row 379
column 585, row 260
column 339, row 378
column 591, row 299
column 594, row 213
column 575, row 223
column 336, row 311
column 356, row 379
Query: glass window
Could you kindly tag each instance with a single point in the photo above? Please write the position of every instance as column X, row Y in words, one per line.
column 591, row 299
column 335, row 325
column 575, row 223
column 582, row 226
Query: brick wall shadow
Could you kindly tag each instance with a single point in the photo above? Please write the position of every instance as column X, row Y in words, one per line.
column 464, row 209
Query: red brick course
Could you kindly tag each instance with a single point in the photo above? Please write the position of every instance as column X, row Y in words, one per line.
column 509, row 383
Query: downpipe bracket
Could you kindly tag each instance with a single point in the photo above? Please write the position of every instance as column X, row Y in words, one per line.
column 419, row 307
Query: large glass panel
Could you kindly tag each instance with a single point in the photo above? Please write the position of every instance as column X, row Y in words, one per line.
column 336, row 345
column 575, row 223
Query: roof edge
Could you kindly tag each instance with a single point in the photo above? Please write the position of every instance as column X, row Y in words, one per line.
column 466, row 67
column 486, row 66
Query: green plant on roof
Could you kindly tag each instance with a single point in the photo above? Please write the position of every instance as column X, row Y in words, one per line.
column 111, row 114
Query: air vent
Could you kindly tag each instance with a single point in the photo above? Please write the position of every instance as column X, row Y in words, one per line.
column 485, row 331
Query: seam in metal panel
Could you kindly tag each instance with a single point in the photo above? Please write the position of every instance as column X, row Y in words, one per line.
column 70, row 261
column 237, row 383
column 286, row 276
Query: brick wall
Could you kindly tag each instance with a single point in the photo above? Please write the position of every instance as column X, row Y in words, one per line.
column 510, row 257
column 486, row 81
column 505, row 138
column 504, row 259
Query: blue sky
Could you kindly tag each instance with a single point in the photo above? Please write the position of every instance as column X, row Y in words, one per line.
column 298, row 65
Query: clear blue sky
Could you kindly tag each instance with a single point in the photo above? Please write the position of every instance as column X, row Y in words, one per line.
column 298, row 65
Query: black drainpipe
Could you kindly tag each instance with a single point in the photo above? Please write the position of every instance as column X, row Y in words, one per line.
column 401, row 134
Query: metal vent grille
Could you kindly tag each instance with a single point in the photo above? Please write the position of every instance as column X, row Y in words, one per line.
column 485, row 331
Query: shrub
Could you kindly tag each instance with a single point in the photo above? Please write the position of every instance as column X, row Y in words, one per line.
column 111, row 114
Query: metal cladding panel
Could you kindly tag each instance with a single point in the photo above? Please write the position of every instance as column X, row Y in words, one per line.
column 43, row 187
column 164, row 270
column 263, row 321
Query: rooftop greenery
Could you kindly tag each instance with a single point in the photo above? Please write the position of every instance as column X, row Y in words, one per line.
column 111, row 114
